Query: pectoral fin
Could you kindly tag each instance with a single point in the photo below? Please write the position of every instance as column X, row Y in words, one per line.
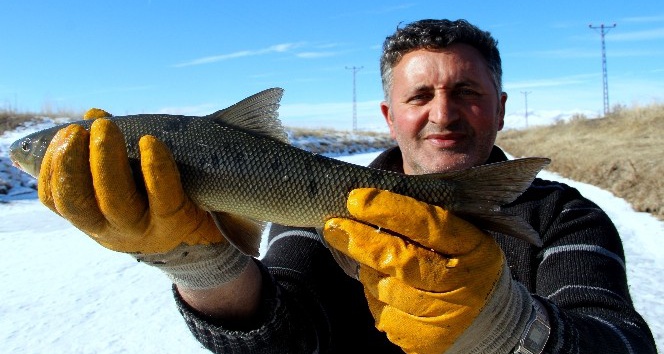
column 241, row 232
column 347, row 264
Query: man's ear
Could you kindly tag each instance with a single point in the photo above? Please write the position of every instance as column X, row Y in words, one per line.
column 385, row 110
column 501, row 110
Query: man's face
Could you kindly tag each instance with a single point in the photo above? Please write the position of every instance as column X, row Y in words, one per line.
column 444, row 111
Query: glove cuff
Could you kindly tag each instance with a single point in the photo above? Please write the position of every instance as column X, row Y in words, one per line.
column 199, row 266
column 501, row 321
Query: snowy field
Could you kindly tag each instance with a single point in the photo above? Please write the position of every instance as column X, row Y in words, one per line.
column 62, row 293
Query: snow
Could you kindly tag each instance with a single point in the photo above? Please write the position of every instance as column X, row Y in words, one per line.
column 63, row 293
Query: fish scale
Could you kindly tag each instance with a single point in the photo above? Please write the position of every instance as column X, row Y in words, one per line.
column 238, row 162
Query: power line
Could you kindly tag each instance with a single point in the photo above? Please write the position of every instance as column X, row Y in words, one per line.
column 355, row 70
column 605, row 81
column 525, row 95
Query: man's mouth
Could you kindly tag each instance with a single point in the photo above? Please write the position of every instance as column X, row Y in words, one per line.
column 445, row 140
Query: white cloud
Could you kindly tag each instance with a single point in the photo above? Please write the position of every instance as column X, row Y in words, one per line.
column 657, row 33
column 644, row 19
column 313, row 55
column 337, row 115
column 277, row 48
column 551, row 82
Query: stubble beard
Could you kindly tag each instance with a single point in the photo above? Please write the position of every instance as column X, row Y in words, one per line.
column 423, row 161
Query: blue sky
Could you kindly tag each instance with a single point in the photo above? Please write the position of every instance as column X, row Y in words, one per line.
column 200, row 56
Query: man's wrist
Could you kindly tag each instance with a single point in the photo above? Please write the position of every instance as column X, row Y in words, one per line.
column 498, row 326
column 536, row 333
column 200, row 266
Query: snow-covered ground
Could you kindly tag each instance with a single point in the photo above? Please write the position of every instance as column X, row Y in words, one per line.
column 62, row 293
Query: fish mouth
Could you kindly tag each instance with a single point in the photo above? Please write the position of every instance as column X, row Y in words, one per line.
column 17, row 164
column 13, row 156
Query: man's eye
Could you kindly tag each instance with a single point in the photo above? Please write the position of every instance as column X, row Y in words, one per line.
column 419, row 98
column 467, row 92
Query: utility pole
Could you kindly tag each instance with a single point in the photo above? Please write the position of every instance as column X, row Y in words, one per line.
column 525, row 95
column 355, row 70
column 603, row 31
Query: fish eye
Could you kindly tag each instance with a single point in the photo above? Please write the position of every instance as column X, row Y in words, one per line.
column 25, row 145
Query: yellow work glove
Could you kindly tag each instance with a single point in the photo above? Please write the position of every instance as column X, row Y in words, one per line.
column 433, row 282
column 85, row 178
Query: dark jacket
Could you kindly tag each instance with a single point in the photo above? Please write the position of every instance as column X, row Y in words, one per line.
column 311, row 306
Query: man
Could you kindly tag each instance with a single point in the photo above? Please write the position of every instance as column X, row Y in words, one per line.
column 428, row 282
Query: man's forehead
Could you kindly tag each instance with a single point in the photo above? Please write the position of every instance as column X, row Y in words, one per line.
column 457, row 66
column 462, row 50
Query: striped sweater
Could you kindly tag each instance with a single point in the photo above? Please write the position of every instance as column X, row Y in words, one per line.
column 310, row 306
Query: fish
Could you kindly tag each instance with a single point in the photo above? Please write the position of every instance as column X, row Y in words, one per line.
column 238, row 164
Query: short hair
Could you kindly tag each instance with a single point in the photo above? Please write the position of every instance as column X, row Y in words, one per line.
column 436, row 35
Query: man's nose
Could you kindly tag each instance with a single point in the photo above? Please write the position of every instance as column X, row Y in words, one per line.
column 443, row 110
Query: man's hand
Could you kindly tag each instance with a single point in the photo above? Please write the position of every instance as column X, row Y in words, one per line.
column 433, row 282
column 86, row 179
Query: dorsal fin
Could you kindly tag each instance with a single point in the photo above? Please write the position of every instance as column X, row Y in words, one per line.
column 256, row 114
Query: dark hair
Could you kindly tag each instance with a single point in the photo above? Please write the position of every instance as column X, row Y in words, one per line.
column 437, row 35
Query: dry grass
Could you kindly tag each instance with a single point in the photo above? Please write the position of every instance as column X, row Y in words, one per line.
column 11, row 118
column 621, row 152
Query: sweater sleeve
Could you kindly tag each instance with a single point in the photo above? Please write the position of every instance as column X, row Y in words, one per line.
column 309, row 305
column 273, row 331
column 579, row 274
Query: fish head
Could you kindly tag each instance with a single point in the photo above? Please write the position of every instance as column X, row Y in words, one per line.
column 28, row 152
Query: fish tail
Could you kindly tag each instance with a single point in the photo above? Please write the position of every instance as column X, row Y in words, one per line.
column 481, row 191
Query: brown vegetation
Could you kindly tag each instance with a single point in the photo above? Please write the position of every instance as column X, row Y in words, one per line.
column 621, row 152
column 11, row 119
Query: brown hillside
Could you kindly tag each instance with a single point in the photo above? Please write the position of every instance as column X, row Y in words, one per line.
column 621, row 152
